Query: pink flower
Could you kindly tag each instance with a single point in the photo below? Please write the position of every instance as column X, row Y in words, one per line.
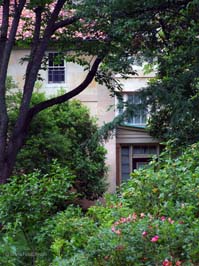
column 155, row 238
column 129, row 218
column 113, row 229
column 106, row 257
column 163, row 218
column 134, row 216
column 118, row 232
column 144, row 234
column 142, row 215
column 167, row 263
column 170, row 220
column 178, row 263
column 123, row 220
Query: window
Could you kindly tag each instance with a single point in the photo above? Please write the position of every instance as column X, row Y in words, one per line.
column 135, row 156
column 125, row 163
column 137, row 114
column 56, row 68
column 140, row 165
column 140, row 116
column 144, row 149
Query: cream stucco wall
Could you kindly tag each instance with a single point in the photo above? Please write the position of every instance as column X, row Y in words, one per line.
column 95, row 97
column 16, row 68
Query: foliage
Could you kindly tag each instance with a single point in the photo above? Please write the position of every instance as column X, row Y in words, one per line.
column 168, row 187
column 172, row 96
column 153, row 220
column 67, row 133
column 106, row 37
column 26, row 202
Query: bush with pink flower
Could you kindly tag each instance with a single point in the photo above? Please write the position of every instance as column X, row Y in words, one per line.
column 153, row 222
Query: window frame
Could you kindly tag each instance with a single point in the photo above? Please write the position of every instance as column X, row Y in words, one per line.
column 142, row 118
column 56, row 68
column 135, row 157
column 141, row 115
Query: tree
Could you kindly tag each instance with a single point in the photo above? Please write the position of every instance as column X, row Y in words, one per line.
column 173, row 95
column 68, row 134
column 111, row 32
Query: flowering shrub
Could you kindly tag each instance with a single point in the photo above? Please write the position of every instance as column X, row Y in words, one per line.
column 137, row 239
column 73, row 141
column 169, row 187
column 153, row 222
column 26, row 203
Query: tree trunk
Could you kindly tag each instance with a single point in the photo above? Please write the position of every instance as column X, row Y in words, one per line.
column 20, row 131
column 14, row 146
column 5, row 172
column 9, row 148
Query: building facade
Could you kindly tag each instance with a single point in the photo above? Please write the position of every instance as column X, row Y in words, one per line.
column 131, row 146
column 134, row 146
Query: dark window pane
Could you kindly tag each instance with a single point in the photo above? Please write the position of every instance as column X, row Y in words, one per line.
column 125, row 160
column 125, row 163
column 125, row 177
column 50, row 59
column 125, row 151
column 56, row 75
column 145, row 149
column 139, row 116
column 56, row 70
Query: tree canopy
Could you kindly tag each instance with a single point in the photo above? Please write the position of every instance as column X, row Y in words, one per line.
column 112, row 33
column 67, row 134
column 173, row 95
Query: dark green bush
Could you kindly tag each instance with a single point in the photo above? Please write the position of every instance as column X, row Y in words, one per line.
column 154, row 221
column 169, row 187
column 26, row 202
column 67, row 133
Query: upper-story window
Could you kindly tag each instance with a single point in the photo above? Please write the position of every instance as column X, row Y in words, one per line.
column 56, row 68
column 137, row 117
column 140, row 116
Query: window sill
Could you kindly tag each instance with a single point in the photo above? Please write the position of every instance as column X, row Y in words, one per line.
column 56, row 85
column 133, row 125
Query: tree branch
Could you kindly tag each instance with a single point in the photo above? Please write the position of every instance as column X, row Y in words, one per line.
column 4, row 27
column 5, row 20
column 156, row 8
column 9, row 45
column 65, row 97
column 166, row 33
column 65, row 22
column 7, row 48
column 36, row 56
column 49, row 30
column 37, row 29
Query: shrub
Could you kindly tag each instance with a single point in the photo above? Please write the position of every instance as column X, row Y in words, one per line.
column 136, row 239
column 67, row 133
column 169, row 187
column 26, row 202
column 154, row 221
